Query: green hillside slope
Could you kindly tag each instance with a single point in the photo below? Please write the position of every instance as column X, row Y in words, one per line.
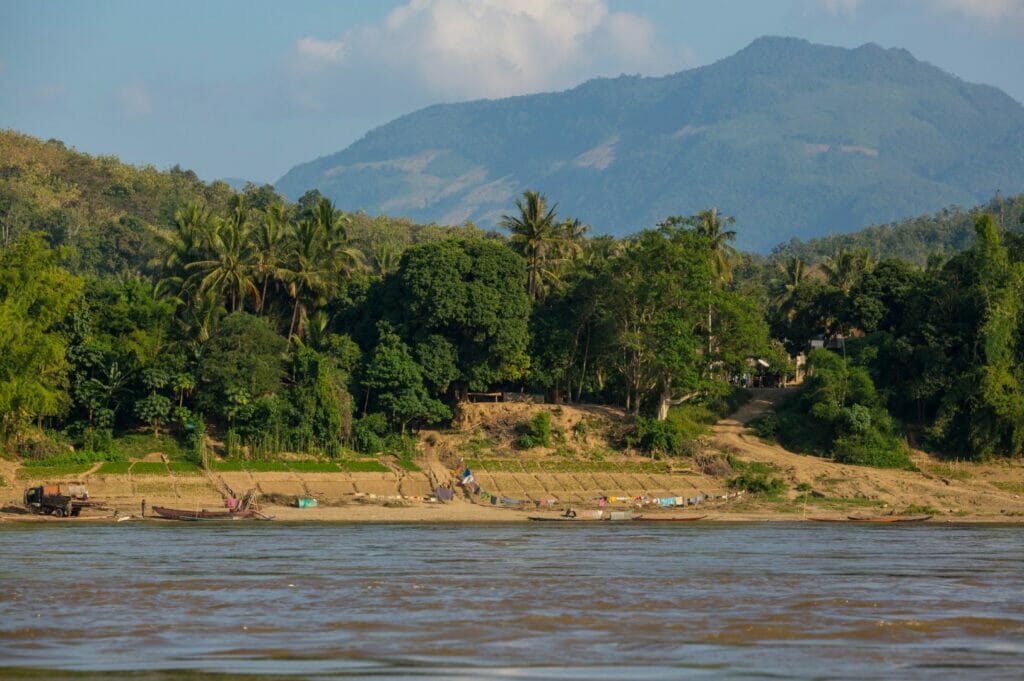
column 106, row 209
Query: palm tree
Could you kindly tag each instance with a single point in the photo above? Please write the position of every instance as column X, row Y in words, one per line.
column 541, row 240
column 711, row 224
column 845, row 268
column 269, row 240
column 193, row 227
column 794, row 273
column 232, row 262
column 308, row 270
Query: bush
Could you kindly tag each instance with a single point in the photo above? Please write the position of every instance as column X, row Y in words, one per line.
column 42, row 449
column 756, row 482
column 766, row 427
column 872, row 448
column 369, row 432
column 535, row 433
column 660, row 437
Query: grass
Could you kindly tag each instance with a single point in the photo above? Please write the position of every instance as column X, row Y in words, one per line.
column 363, row 466
column 919, row 509
column 53, row 471
column 1012, row 487
column 184, row 468
column 952, row 471
column 228, row 466
column 267, row 466
column 138, row 446
column 477, row 445
column 149, row 468
column 314, row 467
column 115, row 468
column 408, row 464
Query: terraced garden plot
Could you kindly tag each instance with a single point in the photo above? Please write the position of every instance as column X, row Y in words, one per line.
column 60, row 471
column 115, row 468
column 149, row 468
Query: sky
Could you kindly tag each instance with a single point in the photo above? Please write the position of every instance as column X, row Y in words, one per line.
column 250, row 88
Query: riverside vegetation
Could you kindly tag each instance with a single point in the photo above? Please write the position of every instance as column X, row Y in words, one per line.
column 138, row 305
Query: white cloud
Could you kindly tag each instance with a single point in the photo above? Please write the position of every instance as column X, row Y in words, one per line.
column 1006, row 12
column 321, row 50
column 459, row 49
column 134, row 98
column 846, row 8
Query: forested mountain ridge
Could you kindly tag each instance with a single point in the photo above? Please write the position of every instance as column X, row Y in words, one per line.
column 945, row 233
column 793, row 139
column 107, row 209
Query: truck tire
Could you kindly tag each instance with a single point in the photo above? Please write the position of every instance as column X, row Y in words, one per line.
column 58, row 512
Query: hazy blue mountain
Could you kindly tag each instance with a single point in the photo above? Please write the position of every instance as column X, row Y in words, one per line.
column 792, row 138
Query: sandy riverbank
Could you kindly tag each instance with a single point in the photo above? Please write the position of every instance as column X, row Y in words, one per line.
column 961, row 492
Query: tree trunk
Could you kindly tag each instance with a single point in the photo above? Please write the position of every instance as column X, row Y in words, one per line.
column 295, row 315
column 583, row 369
column 263, row 298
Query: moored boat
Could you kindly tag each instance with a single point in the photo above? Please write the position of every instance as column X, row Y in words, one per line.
column 889, row 518
column 180, row 514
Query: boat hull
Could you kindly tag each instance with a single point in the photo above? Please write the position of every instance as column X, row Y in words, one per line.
column 180, row 514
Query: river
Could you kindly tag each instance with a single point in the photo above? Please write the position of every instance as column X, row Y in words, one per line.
column 514, row 601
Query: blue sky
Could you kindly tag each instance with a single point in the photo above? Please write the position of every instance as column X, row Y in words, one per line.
column 249, row 88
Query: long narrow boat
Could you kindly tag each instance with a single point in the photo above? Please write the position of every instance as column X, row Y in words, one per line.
column 889, row 518
column 179, row 514
column 670, row 519
column 556, row 519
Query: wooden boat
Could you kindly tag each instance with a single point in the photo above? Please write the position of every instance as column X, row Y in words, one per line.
column 889, row 518
column 581, row 518
column 179, row 514
column 670, row 519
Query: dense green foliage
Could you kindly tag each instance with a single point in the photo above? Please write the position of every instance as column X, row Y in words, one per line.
column 838, row 414
column 793, row 139
column 940, row 349
column 254, row 326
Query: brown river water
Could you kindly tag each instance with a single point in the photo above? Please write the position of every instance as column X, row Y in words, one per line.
column 511, row 601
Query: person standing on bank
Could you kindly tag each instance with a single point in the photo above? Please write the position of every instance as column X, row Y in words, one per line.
column 143, row 508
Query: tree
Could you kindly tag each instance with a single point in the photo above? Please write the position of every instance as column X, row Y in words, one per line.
column 245, row 354
column 654, row 298
column 232, row 263
column 845, row 269
column 269, row 241
column 537, row 235
column 395, row 383
column 710, row 224
column 472, row 294
column 35, row 295
column 794, row 273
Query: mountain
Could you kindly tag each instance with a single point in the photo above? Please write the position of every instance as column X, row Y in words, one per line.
column 791, row 138
column 946, row 233
column 108, row 211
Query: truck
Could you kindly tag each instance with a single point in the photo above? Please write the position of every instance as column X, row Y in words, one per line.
column 53, row 500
